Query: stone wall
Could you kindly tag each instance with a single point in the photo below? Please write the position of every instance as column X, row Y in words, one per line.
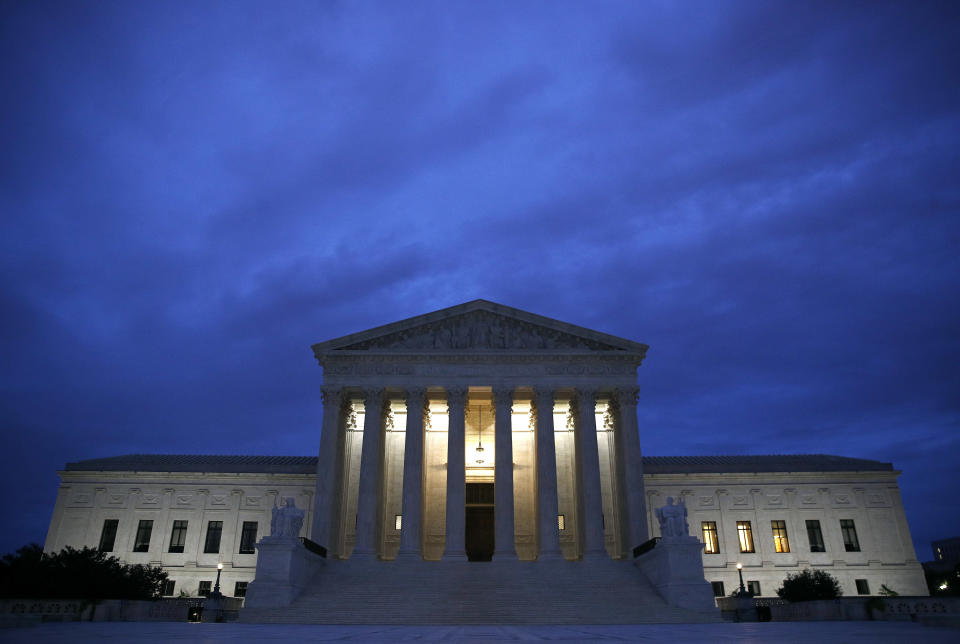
column 870, row 499
column 87, row 499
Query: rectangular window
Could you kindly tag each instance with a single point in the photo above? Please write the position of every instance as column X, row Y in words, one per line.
column 815, row 536
column 863, row 588
column 178, row 537
column 108, row 535
column 718, row 589
column 168, row 586
column 780, row 541
column 754, row 588
column 240, row 589
column 248, row 538
column 850, row 541
column 214, row 530
column 144, row 530
column 561, row 522
column 711, row 545
column 745, row 535
column 204, row 589
column 398, row 522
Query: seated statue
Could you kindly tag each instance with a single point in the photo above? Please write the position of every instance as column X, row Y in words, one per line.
column 673, row 519
column 287, row 519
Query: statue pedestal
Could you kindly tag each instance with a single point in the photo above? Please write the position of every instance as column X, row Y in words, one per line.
column 675, row 569
column 284, row 566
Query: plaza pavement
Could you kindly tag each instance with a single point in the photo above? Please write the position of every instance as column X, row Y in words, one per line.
column 780, row 632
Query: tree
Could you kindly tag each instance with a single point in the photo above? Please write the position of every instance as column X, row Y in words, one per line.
column 76, row 574
column 809, row 584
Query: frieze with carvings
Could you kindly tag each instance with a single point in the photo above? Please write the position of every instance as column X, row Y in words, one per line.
column 775, row 500
column 480, row 330
column 808, row 499
column 876, row 498
column 253, row 501
column 842, row 499
column 218, row 499
column 707, row 501
column 184, row 499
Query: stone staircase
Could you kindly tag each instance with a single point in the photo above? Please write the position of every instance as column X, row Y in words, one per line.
column 426, row 593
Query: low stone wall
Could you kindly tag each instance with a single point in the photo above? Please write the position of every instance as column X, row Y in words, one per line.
column 23, row 612
column 926, row 609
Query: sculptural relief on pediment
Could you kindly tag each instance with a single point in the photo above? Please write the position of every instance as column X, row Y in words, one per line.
column 481, row 330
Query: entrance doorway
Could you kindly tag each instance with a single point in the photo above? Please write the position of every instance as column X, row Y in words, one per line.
column 479, row 524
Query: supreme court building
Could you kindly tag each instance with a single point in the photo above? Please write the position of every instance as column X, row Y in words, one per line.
column 482, row 433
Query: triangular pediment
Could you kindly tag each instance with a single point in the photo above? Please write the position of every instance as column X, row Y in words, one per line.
column 479, row 326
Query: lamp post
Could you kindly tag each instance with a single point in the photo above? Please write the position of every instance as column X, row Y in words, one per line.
column 742, row 592
column 216, row 594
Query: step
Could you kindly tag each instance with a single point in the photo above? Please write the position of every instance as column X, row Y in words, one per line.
column 443, row 593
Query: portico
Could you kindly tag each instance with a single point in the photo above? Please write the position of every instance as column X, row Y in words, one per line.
column 477, row 394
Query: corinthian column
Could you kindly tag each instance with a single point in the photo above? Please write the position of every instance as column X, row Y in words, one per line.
column 629, row 445
column 456, row 474
column 547, row 506
column 588, row 476
column 504, row 546
column 410, row 546
column 371, row 467
column 329, row 470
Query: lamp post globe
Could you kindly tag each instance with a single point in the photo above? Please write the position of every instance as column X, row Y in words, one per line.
column 742, row 591
column 216, row 587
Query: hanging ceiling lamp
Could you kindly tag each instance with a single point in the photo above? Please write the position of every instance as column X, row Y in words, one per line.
column 479, row 447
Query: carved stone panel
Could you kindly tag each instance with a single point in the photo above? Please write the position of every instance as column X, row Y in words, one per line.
column 81, row 499
column 480, row 330
column 843, row 500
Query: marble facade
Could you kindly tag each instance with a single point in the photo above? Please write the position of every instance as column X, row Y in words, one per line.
column 420, row 412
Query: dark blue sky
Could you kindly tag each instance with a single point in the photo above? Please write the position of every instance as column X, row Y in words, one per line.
column 765, row 193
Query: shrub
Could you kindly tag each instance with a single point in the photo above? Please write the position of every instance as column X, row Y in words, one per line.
column 76, row 574
column 808, row 585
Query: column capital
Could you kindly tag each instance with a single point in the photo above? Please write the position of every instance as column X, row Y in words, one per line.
column 456, row 398
column 627, row 396
column 416, row 395
column 374, row 395
column 585, row 395
column 331, row 395
column 503, row 397
column 543, row 395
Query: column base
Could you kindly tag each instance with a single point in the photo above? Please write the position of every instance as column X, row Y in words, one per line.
column 409, row 555
column 551, row 556
column 595, row 555
column 454, row 556
column 363, row 555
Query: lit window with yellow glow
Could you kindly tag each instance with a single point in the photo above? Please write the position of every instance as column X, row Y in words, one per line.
column 397, row 521
column 711, row 545
column 780, row 541
column 745, row 535
column 561, row 522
